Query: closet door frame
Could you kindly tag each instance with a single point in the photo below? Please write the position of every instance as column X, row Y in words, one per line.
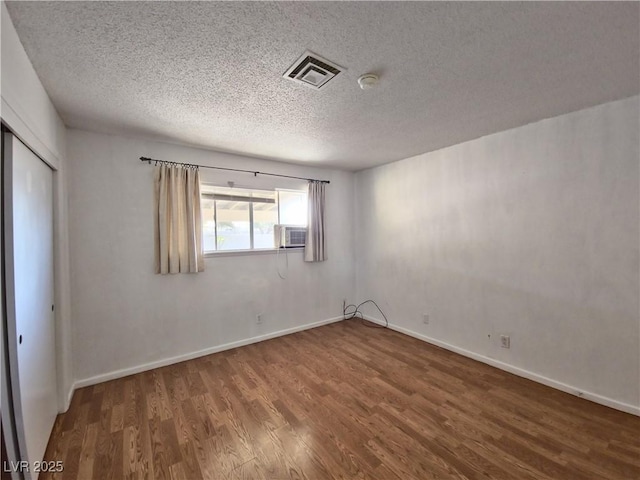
column 8, row 414
column 15, row 427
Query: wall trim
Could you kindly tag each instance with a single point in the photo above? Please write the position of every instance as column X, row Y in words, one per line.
column 602, row 400
column 67, row 400
column 125, row 372
column 594, row 397
column 20, row 127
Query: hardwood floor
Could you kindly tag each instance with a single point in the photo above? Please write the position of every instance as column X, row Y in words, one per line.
column 339, row 401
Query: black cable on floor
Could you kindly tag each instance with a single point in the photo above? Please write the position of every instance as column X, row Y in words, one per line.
column 355, row 312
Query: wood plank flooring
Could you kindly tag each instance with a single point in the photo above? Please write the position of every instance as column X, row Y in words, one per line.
column 339, row 401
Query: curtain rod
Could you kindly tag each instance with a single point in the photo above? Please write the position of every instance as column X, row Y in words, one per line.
column 255, row 173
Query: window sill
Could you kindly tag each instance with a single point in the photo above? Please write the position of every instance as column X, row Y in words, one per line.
column 240, row 253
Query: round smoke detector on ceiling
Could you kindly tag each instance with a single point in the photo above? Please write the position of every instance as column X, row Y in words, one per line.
column 368, row 80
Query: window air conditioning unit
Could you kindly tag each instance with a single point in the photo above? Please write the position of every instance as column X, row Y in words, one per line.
column 290, row 236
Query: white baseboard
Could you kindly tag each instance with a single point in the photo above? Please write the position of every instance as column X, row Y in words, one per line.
column 69, row 397
column 606, row 401
column 594, row 397
column 200, row 353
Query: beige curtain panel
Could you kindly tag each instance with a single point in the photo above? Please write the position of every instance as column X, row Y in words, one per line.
column 178, row 220
column 315, row 250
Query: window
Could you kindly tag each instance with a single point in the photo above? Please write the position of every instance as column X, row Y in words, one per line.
column 244, row 219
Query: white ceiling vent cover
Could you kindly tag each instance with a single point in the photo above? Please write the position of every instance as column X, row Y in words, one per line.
column 312, row 70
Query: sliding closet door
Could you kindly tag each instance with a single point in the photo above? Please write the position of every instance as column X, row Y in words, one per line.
column 30, row 295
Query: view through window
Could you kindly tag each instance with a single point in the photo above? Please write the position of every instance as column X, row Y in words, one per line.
column 243, row 219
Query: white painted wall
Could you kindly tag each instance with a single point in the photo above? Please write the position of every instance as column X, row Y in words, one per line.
column 531, row 232
column 125, row 317
column 27, row 110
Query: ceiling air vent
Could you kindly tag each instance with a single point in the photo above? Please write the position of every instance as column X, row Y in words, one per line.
column 312, row 70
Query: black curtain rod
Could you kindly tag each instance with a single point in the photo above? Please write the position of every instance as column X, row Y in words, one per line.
column 255, row 173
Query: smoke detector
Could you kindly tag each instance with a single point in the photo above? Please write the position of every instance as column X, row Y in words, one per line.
column 312, row 71
column 367, row 81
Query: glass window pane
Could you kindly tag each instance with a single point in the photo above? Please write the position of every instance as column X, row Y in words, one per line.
column 232, row 216
column 265, row 216
column 208, row 226
column 265, row 194
column 293, row 207
column 233, row 225
column 237, row 192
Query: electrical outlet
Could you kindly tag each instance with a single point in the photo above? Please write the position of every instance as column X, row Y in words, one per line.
column 425, row 318
column 505, row 341
column 259, row 319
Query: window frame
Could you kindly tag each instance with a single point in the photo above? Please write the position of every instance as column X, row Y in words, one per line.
column 204, row 195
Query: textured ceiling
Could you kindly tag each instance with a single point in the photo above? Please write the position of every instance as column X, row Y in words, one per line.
column 210, row 74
